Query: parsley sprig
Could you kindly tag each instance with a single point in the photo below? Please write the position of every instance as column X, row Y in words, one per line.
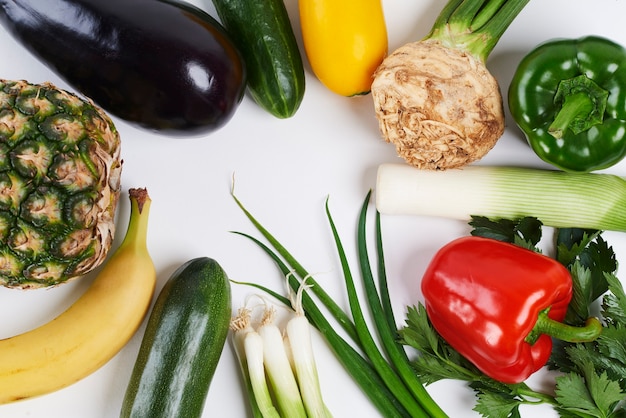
column 592, row 378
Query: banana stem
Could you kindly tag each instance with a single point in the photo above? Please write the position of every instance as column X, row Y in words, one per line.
column 137, row 232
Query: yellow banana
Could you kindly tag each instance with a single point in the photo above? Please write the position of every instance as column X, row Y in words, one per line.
column 93, row 329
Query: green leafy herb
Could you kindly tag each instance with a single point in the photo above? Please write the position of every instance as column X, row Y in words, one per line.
column 525, row 232
column 588, row 248
column 588, row 394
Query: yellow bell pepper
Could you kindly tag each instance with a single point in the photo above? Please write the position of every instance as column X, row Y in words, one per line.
column 345, row 41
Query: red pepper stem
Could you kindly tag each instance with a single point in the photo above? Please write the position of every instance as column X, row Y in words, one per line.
column 548, row 326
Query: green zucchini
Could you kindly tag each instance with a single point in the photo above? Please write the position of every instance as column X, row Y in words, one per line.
column 183, row 342
column 262, row 32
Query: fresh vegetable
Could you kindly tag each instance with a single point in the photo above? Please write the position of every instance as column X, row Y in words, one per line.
column 590, row 379
column 93, row 329
column 500, row 305
column 262, row 32
column 284, row 358
column 60, row 170
column 435, row 99
column 384, row 374
column 298, row 336
column 248, row 347
column 344, row 42
column 567, row 96
column 182, row 344
column 164, row 65
column 559, row 199
column 279, row 373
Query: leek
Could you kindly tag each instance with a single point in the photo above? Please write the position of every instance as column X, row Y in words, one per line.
column 558, row 199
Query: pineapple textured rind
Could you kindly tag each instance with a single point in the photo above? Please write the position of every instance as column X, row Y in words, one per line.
column 60, row 177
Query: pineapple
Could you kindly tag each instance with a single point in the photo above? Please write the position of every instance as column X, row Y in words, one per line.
column 60, row 170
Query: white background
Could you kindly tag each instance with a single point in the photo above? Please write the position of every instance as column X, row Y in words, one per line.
column 285, row 169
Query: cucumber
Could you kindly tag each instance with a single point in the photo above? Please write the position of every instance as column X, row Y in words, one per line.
column 262, row 32
column 183, row 342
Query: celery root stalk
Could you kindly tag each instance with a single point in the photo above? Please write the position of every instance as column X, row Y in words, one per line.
column 558, row 199
column 435, row 99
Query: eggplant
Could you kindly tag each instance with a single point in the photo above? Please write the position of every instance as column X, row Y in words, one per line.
column 163, row 65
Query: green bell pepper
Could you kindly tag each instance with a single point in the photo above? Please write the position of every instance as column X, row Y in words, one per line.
column 568, row 96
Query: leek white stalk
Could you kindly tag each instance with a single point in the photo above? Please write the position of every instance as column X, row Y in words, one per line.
column 298, row 332
column 556, row 198
column 278, row 369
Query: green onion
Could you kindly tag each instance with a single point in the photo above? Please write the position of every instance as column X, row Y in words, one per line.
column 298, row 338
column 251, row 365
column 253, row 347
column 278, row 369
column 359, row 367
column 383, row 317
column 377, row 359
column 295, row 267
column 379, row 379
column 558, row 199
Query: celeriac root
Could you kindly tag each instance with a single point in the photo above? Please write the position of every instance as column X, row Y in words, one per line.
column 439, row 106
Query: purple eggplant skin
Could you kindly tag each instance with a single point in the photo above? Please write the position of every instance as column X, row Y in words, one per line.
column 163, row 65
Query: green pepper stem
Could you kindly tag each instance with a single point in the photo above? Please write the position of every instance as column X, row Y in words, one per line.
column 475, row 26
column 548, row 326
column 582, row 102
column 575, row 106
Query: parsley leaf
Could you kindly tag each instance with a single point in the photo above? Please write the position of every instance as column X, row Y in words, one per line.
column 497, row 405
column 614, row 303
column 582, row 288
column 571, row 242
column 589, row 258
column 588, row 394
column 525, row 232
column 591, row 251
column 437, row 360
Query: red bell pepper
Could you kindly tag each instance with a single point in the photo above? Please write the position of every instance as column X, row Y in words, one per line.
column 499, row 305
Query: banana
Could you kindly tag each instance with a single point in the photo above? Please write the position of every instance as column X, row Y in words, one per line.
column 94, row 328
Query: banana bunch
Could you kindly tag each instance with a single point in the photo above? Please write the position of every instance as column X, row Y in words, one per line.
column 92, row 330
